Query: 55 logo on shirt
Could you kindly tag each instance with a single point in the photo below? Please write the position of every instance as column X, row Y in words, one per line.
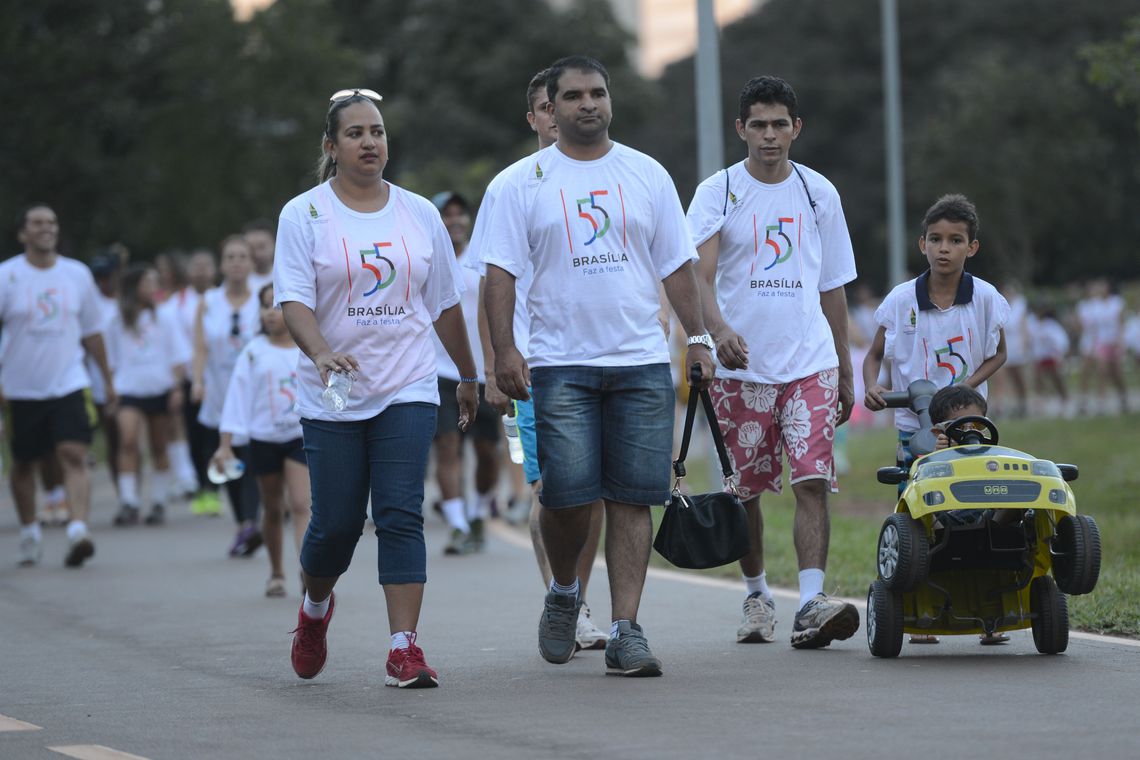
column 47, row 306
column 382, row 267
column 600, row 212
column 953, row 362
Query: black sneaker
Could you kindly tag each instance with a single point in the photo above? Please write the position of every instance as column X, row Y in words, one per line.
column 823, row 620
column 629, row 655
column 80, row 550
column 558, row 627
column 127, row 515
column 157, row 515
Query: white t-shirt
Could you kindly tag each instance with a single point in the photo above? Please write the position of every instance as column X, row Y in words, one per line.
column 601, row 236
column 943, row 346
column 183, row 306
column 1051, row 342
column 45, row 314
column 776, row 256
column 262, row 395
column 376, row 282
column 1017, row 333
column 1101, row 321
column 469, row 301
column 226, row 332
column 476, row 249
column 259, row 281
column 1132, row 333
column 143, row 359
column 109, row 308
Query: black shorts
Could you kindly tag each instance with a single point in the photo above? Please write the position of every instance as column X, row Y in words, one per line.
column 36, row 427
column 269, row 458
column 148, row 405
column 486, row 425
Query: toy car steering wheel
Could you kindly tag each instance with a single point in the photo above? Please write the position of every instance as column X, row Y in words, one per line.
column 960, row 435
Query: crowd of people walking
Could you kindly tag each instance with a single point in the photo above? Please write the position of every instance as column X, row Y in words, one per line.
column 310, row 370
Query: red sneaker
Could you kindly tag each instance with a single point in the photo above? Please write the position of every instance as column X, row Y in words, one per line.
column 309, row 647
column 407, row 669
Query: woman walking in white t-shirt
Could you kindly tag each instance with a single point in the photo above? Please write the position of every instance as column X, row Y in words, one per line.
column 1101, row 316
column 261, row 405
column 148, row 359
column 363, row 271
column 227, row 319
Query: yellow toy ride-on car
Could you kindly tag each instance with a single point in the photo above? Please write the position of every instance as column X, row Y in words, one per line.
column 984, row 539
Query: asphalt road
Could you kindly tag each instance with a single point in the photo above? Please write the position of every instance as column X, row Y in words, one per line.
column 162, row 647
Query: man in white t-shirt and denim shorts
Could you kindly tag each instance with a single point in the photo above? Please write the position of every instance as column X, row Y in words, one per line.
column 774, row 257
column 603, row 228
column 49, row 308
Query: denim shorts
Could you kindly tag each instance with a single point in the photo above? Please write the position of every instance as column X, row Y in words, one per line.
column 603, row 432
column 384, row 457
column 524, row 416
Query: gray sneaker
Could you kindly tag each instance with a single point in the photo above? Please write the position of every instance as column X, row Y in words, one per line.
column 629, row 655
column 31, row 551
column 557, row 627
column 759, row 625
column 477, row 538
column 459, row 543
column 823, row 620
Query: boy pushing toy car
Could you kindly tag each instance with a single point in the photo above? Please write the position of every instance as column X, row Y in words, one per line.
column 945, row 325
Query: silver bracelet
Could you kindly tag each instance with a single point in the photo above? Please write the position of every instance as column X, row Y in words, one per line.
column 468, row 379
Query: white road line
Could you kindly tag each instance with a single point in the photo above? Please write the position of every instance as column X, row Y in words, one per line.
column 94, row 752
column 11, row 724
column 513, row 537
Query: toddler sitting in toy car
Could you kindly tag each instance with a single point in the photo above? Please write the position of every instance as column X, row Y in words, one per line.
column 948, row 404
column 951, row 403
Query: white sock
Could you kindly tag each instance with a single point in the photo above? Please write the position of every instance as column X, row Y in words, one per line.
column 315, row 610
column 758, row 584
column 482, row 506
column 76, row 529
column 57, row 496
column 560, row 589
column 453, row 513
column 614, row 628
column 129, row 488
column 402, row 639
column 33, row 530
column 179, row 453
column 159, row 486
column 811, row 583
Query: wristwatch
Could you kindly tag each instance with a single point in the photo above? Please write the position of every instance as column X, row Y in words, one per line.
column 702, row 340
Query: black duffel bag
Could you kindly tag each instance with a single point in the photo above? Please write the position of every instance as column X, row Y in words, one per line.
column 703, row 530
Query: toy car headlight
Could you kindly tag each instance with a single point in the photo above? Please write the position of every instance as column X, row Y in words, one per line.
column 935, row 470
column 1045, row 469
column 1057, row 495
column 933, row 498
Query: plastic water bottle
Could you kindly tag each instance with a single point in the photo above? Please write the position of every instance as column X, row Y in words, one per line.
column 334, row 397
column 231, row 469
column 514, row 445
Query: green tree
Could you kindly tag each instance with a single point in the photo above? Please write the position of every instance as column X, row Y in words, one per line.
column 1115, row 66
column 995, row 105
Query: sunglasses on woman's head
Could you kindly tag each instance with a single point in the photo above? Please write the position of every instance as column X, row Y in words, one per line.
column 344, row 94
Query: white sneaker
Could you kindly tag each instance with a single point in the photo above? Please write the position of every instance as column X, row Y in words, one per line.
column 589, row 636
column 31, row 551
column 518, row 513
column 759, row 625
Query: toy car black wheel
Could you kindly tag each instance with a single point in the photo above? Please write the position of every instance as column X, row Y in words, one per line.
column 1050, row 616
column 1076, row 554
column 884, row 620
column 903, row 553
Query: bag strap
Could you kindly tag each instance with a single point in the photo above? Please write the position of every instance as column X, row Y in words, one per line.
column 710, row 415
